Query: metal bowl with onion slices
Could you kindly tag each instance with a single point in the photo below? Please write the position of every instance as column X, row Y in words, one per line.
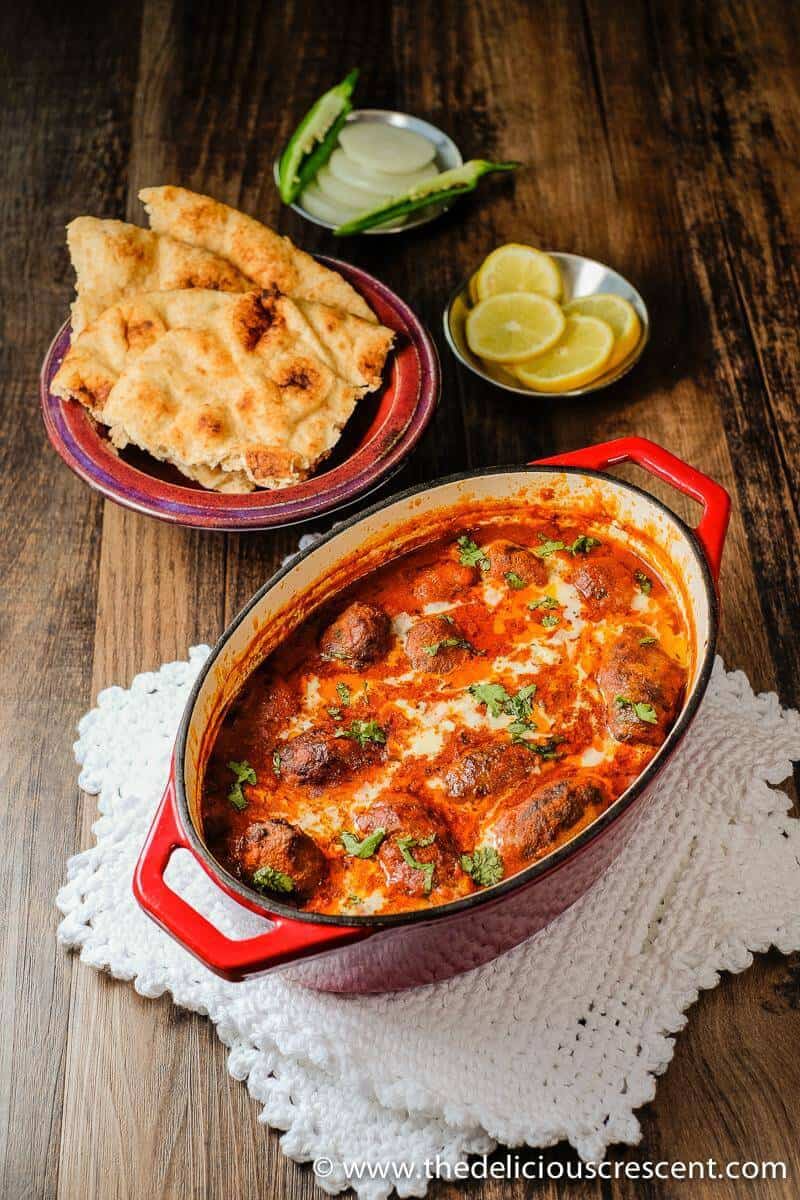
column 405, row 949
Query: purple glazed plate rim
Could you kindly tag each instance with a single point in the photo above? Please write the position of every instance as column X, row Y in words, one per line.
column 406, row 405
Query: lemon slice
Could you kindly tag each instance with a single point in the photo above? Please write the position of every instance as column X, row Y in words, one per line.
column 514, row 326
column 581, row 354
column 517, row 268
column 617, row 313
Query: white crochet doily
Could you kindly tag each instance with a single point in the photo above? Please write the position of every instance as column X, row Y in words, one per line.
column 565, row 1034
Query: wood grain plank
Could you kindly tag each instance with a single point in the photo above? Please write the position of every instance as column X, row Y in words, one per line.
column 662, row 139
column 64, row 133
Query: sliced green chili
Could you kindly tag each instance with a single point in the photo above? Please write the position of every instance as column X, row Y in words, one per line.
column 314, row 139
column 436, row 190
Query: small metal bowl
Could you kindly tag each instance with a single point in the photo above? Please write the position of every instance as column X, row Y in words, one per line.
column 582, row 277
column 447, row 156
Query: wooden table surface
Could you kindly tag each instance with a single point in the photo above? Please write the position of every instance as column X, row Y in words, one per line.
column 662, row 138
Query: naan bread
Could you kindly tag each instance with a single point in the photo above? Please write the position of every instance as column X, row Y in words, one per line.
column 210, row 381
column 113, row 260
column 258, row 252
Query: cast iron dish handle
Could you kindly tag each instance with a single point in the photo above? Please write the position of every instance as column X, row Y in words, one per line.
column 715, row 500
column 285, row 941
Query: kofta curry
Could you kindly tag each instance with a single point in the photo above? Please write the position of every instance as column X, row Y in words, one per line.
column 449, row 719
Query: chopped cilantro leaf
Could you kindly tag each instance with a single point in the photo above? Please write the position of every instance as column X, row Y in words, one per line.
column 647, row 641
column 470, row 554
column 405, row 845
column 644, row 581
column 493, row 695
column 352, row 900
column 515, row 581
column 521, row 705
column 363, row 732
column 365, row 848
column 484, row 866
column 498, row 702
column 583, row 544
column 268, row 879
column 549, row 620
column 343, row 692
column 547, row 548
column 244, row 774
column 545, row 602
column 276, row 761
column 446, row 643
column 644, row 712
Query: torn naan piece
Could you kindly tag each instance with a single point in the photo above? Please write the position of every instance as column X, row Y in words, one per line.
column 209, row 381
column 113, row 260
column 270, row 260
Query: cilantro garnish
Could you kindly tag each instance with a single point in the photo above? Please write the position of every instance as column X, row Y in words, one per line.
column 405, row 845
column 470, row 554
column 647, row 641
column 352, row 900
column 244, row 774
column 545, row 602
column 276, row 761
column 484, row 866
column 493, row 695
column 343, row 692
column 363, row 732
column 269, row 879
column 547, row 548
column 549, row 620
column 644, row 581
column 446, row 643
column 644, row 712
column 365, row 848
column 515, row 581
column 583, row 544
column 498, row 701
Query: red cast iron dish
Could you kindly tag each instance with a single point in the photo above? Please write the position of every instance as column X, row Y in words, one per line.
column 376, row 441
column 385, row 953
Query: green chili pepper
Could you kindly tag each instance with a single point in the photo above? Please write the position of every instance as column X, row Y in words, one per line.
column 436, row 190
column 315, row 138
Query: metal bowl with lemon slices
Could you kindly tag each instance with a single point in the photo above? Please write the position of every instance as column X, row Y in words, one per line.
column 546, row 323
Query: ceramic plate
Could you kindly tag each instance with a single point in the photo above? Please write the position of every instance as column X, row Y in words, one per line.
column 380, row 435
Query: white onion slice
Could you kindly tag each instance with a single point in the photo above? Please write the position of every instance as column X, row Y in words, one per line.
column 344, row 193
column 351, row 172
column 386, row 147
column 314, row 201
column 319, row 205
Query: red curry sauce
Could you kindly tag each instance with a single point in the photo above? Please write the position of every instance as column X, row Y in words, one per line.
column 449, row 719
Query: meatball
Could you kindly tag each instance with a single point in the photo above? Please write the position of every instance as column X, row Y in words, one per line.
column 605, row 581
column 483, row 772
column 443, row 581
column 282, row 847
column 436, row 644
column 527, row 830
column 422, row 832
column 358, row 636
column 507, row 558
column 318, row 756
column 642, row 687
